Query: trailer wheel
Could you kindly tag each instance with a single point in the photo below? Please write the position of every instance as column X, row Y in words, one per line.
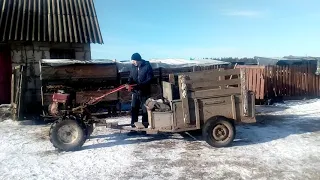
column 218, row 132
column 67, row 135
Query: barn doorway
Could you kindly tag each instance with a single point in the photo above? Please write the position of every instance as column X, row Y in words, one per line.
column 5, row 75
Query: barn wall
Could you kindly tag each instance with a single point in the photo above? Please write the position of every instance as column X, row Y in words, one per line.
column 29, row 54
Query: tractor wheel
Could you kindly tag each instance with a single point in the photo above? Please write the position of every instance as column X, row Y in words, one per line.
column 218, row 132
column 67, row 134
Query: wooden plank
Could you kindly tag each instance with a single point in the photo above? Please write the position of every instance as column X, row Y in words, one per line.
column 215, row 93
column 212, row 74
column 279, row 86
column 244, row 92
column 254, row 80
column 283, row 77
column 300, row 77
column 290, row 80
column 305, row 80
column 251, row 66
column 310, row 81
column 318, row 85
column 233, row 106
column 267, row 80
column 313, row 83
column 246, row 71
column 257, row 83
column 250, row 79
column 262, row 81
column 294, row 81
column 301, row 81
column 202, row 84
column 297, row 80
column 272, row 79
column 12, row 87
column 20, row 93
column 286, row 80
column 279, row 80
column 260, row 85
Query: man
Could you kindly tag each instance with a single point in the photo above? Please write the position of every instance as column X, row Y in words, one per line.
column 141, row 74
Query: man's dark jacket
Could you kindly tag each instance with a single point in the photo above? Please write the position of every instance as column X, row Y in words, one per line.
column 142, row 76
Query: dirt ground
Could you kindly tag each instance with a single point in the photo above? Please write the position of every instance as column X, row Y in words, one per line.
column 284, row 144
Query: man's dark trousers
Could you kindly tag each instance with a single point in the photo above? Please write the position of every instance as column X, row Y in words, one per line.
column 138, row 102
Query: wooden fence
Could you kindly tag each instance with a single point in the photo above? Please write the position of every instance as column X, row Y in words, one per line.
column 285, row 81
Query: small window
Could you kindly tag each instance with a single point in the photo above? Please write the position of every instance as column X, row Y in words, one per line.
column 62, row 54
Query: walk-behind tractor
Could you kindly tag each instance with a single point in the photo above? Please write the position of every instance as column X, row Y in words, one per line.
column 213, row 101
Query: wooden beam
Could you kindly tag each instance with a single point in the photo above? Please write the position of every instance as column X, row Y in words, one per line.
column 244, row 92
column 184, row 98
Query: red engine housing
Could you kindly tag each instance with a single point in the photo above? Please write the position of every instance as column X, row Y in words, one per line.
column 60, row 98
column 59, row 102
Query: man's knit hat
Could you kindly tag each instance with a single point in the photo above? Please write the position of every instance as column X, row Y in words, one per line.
column 136, row 56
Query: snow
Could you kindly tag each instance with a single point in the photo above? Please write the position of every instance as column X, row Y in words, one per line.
column 173, row 63
column 283, row 144
column 124, row 66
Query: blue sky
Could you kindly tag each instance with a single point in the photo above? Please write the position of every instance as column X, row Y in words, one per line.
column 207, row 28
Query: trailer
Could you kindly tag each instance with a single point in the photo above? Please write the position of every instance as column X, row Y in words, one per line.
column 213, row 101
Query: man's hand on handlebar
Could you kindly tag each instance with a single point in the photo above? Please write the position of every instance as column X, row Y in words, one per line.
column 129, row 87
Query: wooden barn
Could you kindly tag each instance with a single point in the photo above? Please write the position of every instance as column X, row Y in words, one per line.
column 42, row 29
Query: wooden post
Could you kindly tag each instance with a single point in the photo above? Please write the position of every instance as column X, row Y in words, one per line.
column 172, row 79
column 160, row 79
column 12, row 86
column 244, row 92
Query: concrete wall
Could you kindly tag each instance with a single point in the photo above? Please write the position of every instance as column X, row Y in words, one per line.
column 29, row 54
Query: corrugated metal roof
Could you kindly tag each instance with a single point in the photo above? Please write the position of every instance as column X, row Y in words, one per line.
column 49, row 20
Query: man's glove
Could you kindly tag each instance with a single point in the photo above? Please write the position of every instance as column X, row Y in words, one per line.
column 129, row 87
